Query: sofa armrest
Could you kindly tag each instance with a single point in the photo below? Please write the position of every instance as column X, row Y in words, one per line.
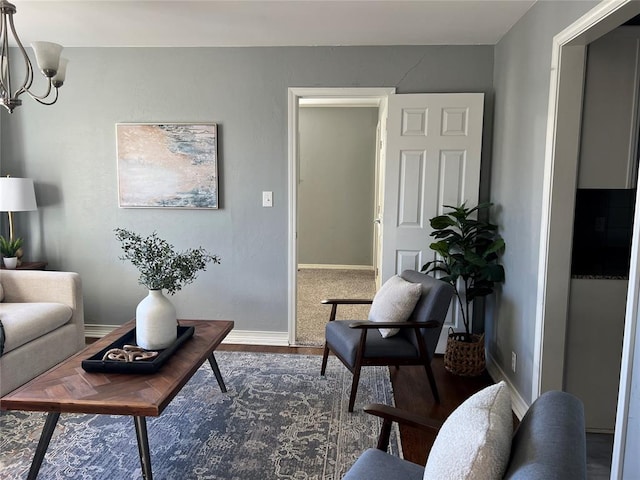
column 33, row 286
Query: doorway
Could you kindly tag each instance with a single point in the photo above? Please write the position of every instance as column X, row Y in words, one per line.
column 563, row 134
column 327, row 98
column 605, row 199
column 336, row 209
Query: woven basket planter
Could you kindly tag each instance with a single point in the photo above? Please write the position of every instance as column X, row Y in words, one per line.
column 464, row 358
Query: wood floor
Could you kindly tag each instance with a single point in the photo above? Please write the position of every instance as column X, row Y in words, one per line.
column 411, row 392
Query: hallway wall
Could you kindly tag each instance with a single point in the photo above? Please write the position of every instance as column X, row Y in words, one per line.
column 336, row 185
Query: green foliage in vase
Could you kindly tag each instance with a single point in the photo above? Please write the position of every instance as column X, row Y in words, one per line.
column 160, row 266
column 9, row 248
column 468, row 250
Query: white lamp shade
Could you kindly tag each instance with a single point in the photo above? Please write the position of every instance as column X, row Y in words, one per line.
column 17, row 194
column 47, row 56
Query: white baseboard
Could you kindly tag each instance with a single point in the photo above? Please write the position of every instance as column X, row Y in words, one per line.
column 92, row 330
column 254, row 337
column 242, row 337
column 334, row 267
column 518, row 404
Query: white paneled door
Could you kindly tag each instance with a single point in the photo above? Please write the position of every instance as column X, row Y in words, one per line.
column 434, row 144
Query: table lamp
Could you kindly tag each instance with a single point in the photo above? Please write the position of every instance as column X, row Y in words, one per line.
column 16, row 195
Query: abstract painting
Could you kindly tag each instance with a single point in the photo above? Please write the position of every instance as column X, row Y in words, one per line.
column 167, row 165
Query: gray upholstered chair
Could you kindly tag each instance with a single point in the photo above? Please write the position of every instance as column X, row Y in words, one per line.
column 359, row 343
column 548, row 444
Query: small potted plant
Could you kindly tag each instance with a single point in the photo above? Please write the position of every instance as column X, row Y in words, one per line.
column 468, row 251
column 160, row 268
column 9, row 250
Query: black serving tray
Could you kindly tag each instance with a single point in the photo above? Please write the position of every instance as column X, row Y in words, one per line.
column 96, row 364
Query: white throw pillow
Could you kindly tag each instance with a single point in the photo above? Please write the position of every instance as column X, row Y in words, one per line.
column 394, row 302
column 474, row 443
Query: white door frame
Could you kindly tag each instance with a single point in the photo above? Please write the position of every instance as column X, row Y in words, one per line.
column 563, row 134
column 295, row 94
column 377, row 202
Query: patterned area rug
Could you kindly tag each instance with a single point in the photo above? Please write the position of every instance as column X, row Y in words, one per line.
column 279, row 420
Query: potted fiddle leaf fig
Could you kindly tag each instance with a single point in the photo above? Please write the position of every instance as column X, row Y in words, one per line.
column 468, row 254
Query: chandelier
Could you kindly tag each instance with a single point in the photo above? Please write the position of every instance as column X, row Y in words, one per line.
column 47, row 57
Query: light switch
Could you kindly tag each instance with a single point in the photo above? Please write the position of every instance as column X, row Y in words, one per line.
column 267, row 199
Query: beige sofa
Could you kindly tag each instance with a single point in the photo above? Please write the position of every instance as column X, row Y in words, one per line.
column 42, row 323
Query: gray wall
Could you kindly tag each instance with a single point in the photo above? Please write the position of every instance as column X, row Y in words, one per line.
column 69, row 150
column 336, row 185
column 521, row 80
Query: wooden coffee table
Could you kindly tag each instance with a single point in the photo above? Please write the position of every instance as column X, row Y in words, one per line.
column 67, row 388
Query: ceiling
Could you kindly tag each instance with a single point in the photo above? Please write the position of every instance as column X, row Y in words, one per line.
column 93, row 23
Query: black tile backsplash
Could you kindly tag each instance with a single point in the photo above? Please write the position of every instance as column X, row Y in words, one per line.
column 602, row 232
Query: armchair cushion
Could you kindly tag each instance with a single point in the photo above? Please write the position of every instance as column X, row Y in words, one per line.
column 394, row 302
column 480, row 429
column 375, row 464
column 345, row 340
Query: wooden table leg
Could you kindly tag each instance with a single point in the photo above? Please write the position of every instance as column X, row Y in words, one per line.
column 43, row 444
column 216, row 372
column 143, row 447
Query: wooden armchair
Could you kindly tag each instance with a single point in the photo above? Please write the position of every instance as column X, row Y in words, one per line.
column 359, row 343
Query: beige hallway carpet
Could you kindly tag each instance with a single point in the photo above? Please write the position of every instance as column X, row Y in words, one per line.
column 315, row 285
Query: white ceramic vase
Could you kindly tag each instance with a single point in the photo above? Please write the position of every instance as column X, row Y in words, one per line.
column 10, row 263
column 156, row 324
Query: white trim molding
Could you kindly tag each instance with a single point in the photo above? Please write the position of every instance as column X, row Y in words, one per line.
column 255, row 337
column 92, row 330
column 369, row 102
column 241, row 337
column 324, row 266
column 518, row 404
